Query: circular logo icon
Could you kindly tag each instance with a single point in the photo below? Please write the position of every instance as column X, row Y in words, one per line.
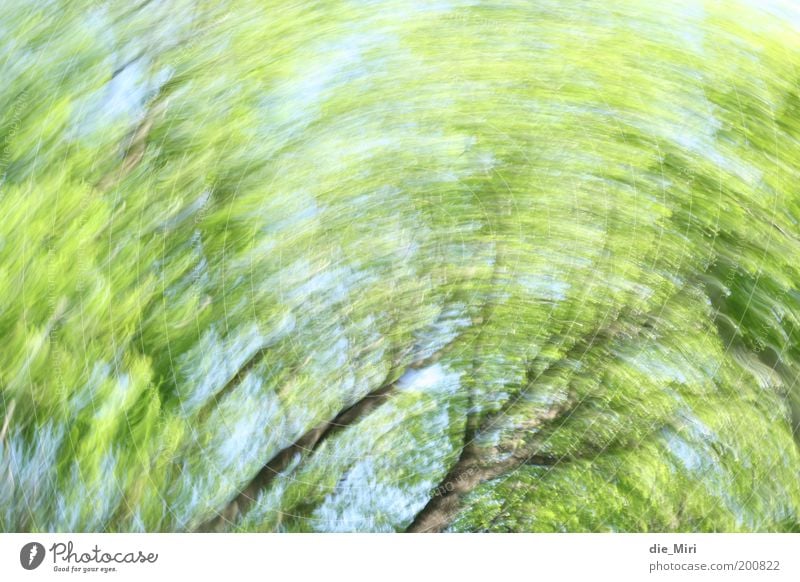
column 31, row 555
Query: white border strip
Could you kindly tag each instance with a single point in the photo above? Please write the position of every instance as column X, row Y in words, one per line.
column 375, row 557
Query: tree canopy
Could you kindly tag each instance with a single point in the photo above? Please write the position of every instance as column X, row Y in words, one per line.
column 399, row 266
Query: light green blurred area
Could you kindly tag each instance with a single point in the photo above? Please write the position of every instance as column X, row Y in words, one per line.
column 224, row 223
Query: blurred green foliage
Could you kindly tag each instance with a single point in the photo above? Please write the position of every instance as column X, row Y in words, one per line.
column 223, row 223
